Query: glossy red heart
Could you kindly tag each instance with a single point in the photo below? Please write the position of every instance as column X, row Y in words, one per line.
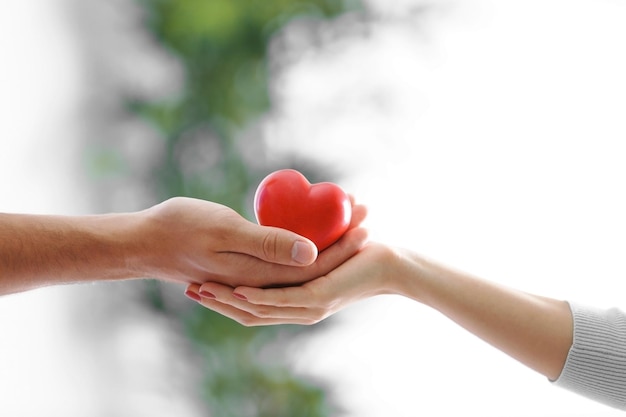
column 320, row 212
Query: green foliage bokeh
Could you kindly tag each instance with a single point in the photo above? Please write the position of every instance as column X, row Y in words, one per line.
column 223, row 48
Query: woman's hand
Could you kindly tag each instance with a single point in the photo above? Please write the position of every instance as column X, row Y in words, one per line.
column 366, row 274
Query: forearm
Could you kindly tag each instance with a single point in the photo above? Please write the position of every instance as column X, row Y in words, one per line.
column 536, row 331
column 40, row 250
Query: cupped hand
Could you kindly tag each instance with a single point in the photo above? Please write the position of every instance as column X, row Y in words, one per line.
column 194, row 241
column 368, row 273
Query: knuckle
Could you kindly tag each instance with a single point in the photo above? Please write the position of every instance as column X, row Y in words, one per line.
column 312, row 321
column 262, row 312
column 323, row 300
column 282, row 300
column 329, row 305
column 319, row 315
column 246, row 321
column 270, row 245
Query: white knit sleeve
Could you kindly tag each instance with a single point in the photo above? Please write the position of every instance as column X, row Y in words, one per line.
column 596, row 363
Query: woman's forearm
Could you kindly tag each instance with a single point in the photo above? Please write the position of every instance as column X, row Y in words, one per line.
column 537, row 331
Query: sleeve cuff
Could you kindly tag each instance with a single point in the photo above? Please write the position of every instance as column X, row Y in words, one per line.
column 596, row 363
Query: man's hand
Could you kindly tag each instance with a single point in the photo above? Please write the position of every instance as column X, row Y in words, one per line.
column 195, row 241
column 181, row 240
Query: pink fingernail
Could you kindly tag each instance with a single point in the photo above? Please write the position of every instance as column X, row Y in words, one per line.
column 207, row 294
column 193, row 295
column 303, row 253
column 240, row 296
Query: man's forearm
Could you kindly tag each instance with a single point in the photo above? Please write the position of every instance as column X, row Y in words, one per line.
column 180, row 240
column 40, row 250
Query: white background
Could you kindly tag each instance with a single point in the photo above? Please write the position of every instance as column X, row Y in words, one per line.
column 488, row 136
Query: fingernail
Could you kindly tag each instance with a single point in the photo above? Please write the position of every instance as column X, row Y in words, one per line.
column 303, row 252
column 193, row 295
column 240, row 296
column 207, row 294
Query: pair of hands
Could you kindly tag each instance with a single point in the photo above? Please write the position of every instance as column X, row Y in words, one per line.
column 259, row 275
column 359, row 277
column 241, row 278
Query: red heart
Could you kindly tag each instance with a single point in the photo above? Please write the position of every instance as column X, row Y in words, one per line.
column 320, row 212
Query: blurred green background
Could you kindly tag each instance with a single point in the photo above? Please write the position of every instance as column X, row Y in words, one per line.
column 223, row 49
column 104, row 74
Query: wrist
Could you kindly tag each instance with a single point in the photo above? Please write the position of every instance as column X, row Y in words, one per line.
column 153, row 245
column 393, row 269
column 413, row 275
column 117, row 241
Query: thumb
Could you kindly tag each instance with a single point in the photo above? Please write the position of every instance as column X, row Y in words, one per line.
column 276, row 245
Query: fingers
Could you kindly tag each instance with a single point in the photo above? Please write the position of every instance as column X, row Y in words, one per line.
column 350, row 243
column 328, row 260
column 220, row 298
column 275, row 245
column 280, row 297
column 284, row 247
column 359, row 212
